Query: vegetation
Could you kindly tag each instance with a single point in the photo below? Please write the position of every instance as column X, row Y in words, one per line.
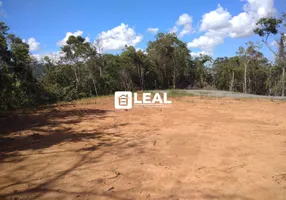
column 84, row 71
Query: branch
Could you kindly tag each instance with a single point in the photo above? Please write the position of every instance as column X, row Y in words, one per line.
column 266, row 43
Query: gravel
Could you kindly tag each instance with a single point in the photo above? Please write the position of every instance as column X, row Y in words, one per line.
column 219, row 93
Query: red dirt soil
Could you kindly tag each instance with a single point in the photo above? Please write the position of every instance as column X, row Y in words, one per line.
column 200, row 148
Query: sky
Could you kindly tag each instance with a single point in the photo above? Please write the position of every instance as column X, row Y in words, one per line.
column 213, row 27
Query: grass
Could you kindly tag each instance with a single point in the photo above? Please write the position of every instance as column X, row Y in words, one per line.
column 90, row 100
column 173, row 93
column 178, row 93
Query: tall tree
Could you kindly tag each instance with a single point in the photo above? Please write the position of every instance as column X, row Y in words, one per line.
column 171, row 58
column 271, row 26
column 135, row 59
column 76, row 53
column 248, row 58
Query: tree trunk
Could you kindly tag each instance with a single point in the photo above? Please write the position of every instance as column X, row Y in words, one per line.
column 245, row 82
column 269, row 83
column 174, row 78
column 283, row 81
column 249, row 87
column 142, row 78
column 174, row 81
column 201, row 77
column 140, row 72
column 94, row 85
column 76, row 79
column 100, row 71
column 165, row 78
column 232, row 82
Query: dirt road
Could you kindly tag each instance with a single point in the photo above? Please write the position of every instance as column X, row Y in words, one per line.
column 200, row 148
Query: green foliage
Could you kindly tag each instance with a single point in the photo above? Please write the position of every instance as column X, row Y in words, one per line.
column 85, row 71
column 267, row 26
column 271, row 26
column 171, row 61
column 18, row 87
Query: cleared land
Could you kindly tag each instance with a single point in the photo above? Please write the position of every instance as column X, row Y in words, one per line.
column 200, row 148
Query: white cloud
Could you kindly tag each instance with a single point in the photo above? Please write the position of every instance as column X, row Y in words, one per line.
column 33, row 44
column 37, row 56
column 208, row 41
column 140, row 49
column 216, row 19
column 54, row 56
column 197, row 54
column 219, row 24
column 87, row 39
column 118, row 37
column 173, row 30
column 244, row 23
column 153, row 30
column 274, row 43
column 68, row 34
column 186, row 21
column 260, row 8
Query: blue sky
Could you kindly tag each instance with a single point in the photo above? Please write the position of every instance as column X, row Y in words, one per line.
column 215, row 27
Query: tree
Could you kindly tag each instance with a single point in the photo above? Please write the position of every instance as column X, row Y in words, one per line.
column 201, row 70
column 225, row 72
column 171, row 59
column 271, row 26
column 18, row 86
column 242, row 53
column 135, row 59
column 249, row 57
column 76, row 53
column 281, row 59
column 233, row 65
column 84, row 70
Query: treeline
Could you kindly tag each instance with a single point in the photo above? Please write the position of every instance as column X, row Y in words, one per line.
column 84, row 71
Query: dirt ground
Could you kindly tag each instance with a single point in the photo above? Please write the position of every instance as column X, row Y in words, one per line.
column 200, row 148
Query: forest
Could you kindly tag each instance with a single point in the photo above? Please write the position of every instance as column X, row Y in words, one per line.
column 84, row 70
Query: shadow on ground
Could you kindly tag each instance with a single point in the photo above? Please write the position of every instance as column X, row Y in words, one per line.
column 27, row 138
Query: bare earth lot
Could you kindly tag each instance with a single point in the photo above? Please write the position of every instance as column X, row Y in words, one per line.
column 200, row 148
